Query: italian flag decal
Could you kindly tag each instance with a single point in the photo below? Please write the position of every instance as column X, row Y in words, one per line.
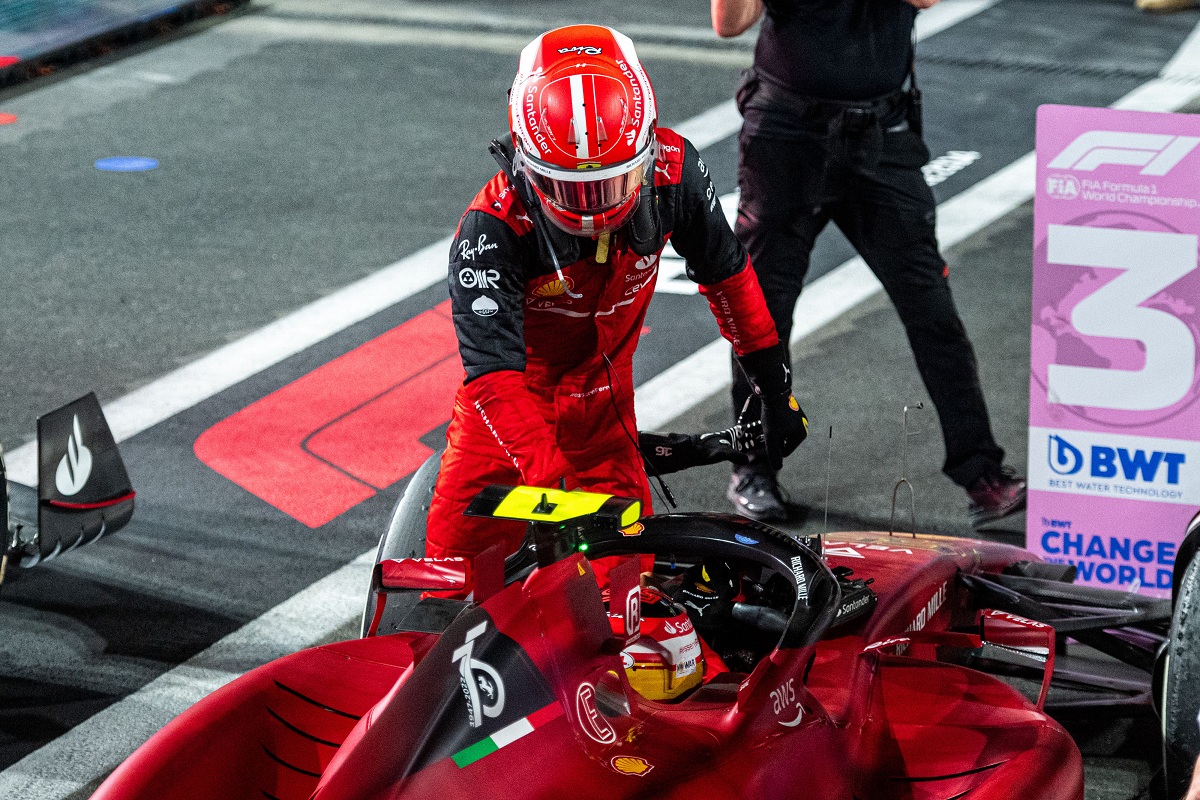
column 507, row 735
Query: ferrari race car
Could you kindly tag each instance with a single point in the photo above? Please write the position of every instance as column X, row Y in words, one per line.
column 722, row 658
column 83, row 491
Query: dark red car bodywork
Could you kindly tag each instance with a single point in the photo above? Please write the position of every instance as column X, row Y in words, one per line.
column 824, row 715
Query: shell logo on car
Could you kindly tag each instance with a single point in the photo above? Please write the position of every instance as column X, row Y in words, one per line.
column 631, row 765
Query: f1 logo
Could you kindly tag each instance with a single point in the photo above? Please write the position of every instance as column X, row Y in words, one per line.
column 1156, row 153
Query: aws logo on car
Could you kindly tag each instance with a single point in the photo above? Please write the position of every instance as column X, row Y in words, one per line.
column 1102, row 461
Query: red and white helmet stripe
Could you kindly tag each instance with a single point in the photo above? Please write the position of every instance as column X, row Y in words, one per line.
column 582, row 115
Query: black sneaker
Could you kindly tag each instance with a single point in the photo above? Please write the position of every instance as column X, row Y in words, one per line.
column 757, row 495
column 995, row 496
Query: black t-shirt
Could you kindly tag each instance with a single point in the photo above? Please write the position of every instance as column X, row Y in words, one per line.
column 837, row 49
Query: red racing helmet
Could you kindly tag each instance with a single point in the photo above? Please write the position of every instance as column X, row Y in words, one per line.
column 582, row 115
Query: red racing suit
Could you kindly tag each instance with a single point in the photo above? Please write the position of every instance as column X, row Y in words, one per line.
column 548, row 393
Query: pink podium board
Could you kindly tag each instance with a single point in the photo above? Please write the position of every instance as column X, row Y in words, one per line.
column 1114, row 391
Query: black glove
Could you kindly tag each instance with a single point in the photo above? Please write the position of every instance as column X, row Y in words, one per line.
column 707, row 593
column 783, row 421
column 672, row 452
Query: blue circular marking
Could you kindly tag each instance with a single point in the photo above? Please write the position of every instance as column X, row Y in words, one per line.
column 745, row 539
column 126, row 164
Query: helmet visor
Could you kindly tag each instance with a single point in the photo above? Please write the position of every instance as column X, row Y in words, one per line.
column 589, row 191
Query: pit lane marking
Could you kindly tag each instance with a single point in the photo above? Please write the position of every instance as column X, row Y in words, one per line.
column 208, row 376
column 180, row 390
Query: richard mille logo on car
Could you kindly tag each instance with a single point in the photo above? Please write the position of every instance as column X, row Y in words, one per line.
column 931, row 608
column 801, row 578
column 482, row 687
column 484, row 306
column 76, row 466
column 470, row 278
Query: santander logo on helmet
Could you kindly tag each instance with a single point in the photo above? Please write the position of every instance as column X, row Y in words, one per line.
column 582, row 116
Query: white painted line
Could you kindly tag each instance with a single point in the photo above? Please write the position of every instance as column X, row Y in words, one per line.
column 948, row 13
column 719, row 122
column 223, row 368
column 1185, row 65
column 97, row 745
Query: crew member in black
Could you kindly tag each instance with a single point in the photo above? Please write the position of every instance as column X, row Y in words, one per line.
column 831, row 133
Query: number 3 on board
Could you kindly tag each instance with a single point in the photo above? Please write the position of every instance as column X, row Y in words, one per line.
column 1151, row 261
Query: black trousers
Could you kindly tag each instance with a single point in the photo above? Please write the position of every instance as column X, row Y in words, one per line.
column 797, row 171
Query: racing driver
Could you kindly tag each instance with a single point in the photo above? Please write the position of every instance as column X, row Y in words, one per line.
column 551, row 271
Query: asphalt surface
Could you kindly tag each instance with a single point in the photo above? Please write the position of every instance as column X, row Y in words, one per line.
column 305, row 146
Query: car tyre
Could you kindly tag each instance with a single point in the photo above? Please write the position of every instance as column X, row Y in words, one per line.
column 405, row 533
column 1181, row 683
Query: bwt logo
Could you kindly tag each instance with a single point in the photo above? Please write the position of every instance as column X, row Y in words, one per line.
column 1113, row 462
column 1156, row 153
